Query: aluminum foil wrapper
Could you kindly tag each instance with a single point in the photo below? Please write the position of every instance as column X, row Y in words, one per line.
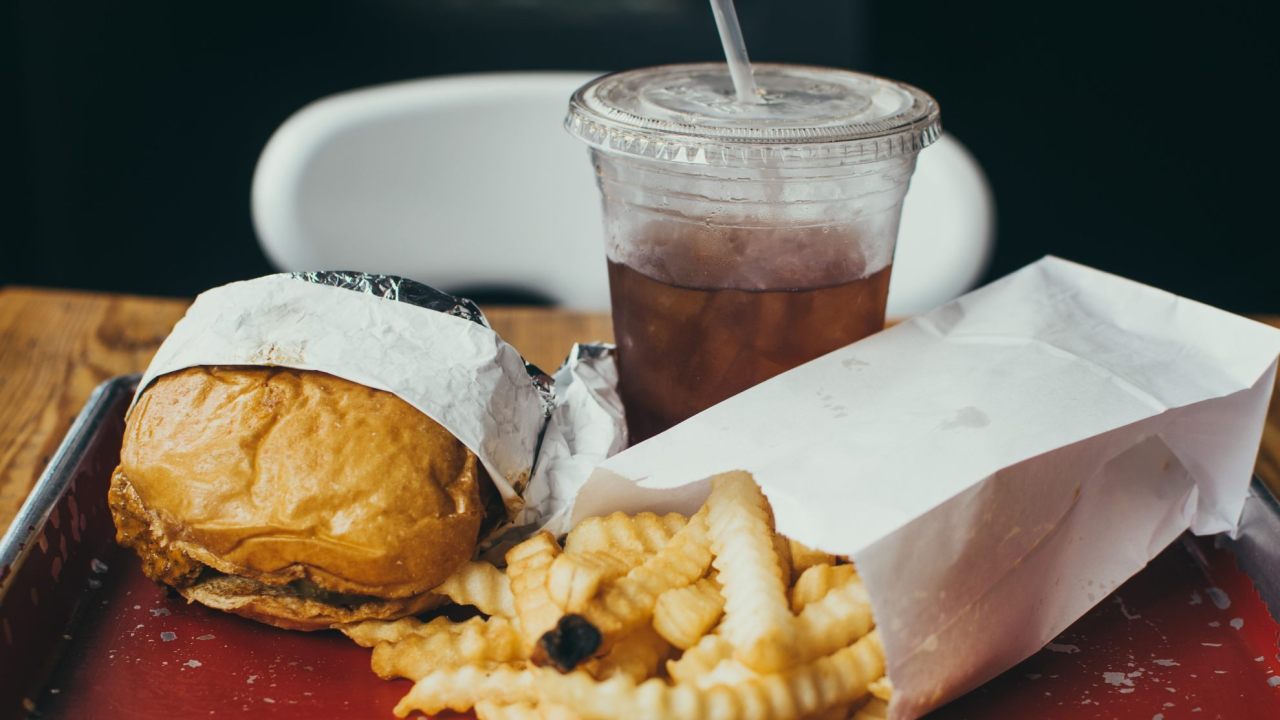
column 537, row 437
column 400, row 289
column 392, row 287
column 586, row 427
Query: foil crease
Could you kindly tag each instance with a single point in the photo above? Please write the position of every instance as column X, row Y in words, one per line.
column 392, row 287
column 586, row 427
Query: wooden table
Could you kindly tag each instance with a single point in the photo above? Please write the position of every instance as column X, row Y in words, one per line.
column 56, row 346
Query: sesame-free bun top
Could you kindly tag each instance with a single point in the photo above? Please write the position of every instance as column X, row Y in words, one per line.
column 280, row 475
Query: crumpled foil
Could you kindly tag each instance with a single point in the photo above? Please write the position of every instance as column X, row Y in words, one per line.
column 394, row 287
column 585, row 428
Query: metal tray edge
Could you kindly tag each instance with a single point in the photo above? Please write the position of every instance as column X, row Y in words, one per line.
column 34, row 513
column 1257, row 544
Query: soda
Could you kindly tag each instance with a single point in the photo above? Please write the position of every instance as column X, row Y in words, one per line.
column 744, row 238
column 684, row 349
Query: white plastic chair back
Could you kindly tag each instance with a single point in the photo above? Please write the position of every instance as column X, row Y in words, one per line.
column 471, row 181
column 459, row 181
column 947, row 232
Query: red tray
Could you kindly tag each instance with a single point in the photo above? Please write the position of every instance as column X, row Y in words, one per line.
column 83, row 634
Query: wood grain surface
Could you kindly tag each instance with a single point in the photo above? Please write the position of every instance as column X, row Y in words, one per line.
column 56, row 346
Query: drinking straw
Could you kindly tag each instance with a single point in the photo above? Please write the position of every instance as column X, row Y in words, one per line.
column 735, row 51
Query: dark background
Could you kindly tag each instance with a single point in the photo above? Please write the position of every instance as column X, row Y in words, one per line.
column 1129, row 136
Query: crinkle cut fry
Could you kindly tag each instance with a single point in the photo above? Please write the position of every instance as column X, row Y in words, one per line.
column 368, row 633
column 835, row 712
column 838, row 678
column 840, row 617
column 700, row 659
column 816, row 581
column 528, row 565
column 575, row 578
column 874, row 709
column 486, row 710
column 475, row 641
column 483, row 586
column 804, row 557
column 641, row 534
column 727, row 672
column 459, row 689
column 549, row 711
column 782, row 550
column 882, row 688
column 638, row 656
column 685, row 615
column 757, row 615
column 628, row 603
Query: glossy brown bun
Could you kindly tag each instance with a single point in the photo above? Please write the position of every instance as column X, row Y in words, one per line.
column 312, row 489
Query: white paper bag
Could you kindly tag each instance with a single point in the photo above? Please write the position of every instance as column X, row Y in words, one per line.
column 994, row 467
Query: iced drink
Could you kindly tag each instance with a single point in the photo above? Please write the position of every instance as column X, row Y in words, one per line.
column 744, row 240
column 727, row 339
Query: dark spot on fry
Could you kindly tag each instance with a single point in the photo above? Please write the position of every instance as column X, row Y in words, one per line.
column 571, row 641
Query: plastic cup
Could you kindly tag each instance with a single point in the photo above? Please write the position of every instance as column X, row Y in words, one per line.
column 744, row 240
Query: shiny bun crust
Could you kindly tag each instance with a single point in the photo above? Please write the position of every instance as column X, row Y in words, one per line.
column 280, row 476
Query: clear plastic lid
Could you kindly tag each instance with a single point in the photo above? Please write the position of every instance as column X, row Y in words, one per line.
column 808, row 116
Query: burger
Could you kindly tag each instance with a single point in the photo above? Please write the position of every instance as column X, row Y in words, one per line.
column 294, row 497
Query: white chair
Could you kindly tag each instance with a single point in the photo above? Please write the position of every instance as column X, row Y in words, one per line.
column 947, row 232
column 471, row 181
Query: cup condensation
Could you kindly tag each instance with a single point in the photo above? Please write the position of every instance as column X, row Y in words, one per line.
column 744, row 240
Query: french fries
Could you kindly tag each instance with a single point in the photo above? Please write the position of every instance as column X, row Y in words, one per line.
column 815, row 582
column 649, row 616
column 874, row 709
column 641, row 534
column 443, row 644
column 683, row 615
column 459, row 689
column 576, row 577
column 482, row 586
column 757, row 619
column 628, row 603
column 529, row 565
column 637, row 656
column 804, row 557
column 371, row 632
column 800, row 691
column 700, row 659
column 840, row 617
column 486, row 710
